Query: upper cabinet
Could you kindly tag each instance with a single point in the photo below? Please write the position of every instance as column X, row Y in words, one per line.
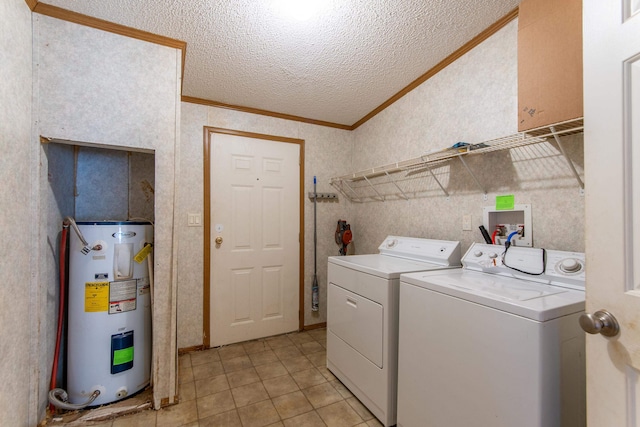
column 549, row 62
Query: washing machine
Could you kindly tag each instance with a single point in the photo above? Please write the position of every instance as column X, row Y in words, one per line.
column 496, row 343
column 362, row 315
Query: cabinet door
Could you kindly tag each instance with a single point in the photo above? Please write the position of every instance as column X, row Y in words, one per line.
column 549, row 62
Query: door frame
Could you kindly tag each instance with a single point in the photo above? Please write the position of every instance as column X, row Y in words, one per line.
column 206, row 285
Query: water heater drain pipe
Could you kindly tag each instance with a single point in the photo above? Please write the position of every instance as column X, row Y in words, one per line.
column 59, row 398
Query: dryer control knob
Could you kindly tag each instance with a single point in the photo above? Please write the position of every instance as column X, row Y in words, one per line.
column 477, row 254
column 493, row 255
column 570, row 265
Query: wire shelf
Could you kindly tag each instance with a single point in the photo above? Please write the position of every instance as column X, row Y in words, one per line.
column 384, row 182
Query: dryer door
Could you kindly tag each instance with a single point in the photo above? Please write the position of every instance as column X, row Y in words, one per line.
column 356, row 320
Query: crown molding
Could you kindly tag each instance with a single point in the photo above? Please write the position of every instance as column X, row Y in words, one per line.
column 194, row 100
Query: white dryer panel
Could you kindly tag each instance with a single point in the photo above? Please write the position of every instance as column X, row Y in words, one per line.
column 370, row 286
column 384, row 266
column 441, row 252
column 358, row 321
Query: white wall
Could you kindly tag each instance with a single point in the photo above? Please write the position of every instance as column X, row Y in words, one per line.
column 113, row 91
column 327, row 153
column 17, row 352
column 472, row 100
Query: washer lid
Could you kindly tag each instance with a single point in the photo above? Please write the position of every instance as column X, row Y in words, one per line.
column 387, row 267
column 525, row 298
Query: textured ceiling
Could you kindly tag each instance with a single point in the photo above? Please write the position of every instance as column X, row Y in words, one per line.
column 336, row 67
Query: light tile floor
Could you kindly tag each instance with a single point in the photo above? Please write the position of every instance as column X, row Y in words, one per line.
column 276, row 381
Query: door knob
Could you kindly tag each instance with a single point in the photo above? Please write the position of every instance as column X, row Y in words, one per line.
column 600, row 322
column 218, row 240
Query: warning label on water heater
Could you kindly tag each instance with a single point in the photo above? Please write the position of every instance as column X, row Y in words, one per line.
column 122, row 296
column 96, row 296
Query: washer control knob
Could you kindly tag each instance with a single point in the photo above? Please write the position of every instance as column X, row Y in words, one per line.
column 493, row 255
column 391, row 243
column 570, row 265
column 477, row 254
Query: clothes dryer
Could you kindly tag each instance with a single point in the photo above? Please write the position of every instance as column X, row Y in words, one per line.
column 496, row 343
column 362, row 315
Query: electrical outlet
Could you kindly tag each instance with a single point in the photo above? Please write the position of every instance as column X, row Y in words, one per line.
column 466, row 223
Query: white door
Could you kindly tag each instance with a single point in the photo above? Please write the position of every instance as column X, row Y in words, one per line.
column 612, row 175
column 255, row 226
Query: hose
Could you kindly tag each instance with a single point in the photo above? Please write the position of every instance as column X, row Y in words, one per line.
column 54, row 392
column 57, row 394
column 61, row 308
column 511, row 235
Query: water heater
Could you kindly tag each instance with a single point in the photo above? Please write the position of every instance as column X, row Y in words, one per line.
column 109, row 321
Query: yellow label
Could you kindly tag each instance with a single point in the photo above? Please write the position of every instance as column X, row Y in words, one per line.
column 144, row 252
column 96, row 296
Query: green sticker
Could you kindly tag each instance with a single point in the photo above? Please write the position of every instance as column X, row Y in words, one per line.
column 504, row 203
column 122, row 356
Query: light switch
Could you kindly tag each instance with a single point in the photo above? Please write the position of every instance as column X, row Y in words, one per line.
column 194, row 220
